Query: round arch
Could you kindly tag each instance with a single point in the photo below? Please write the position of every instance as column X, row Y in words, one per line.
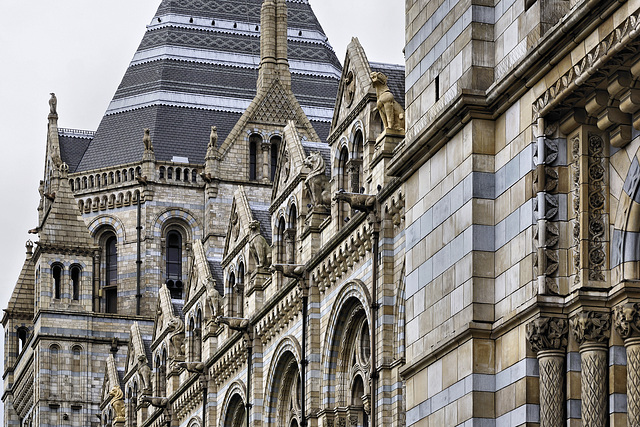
column 625, row 241
column 354, row 296
column 233, row 397
column 285, row 364
column 180, row 217
column 104, row 222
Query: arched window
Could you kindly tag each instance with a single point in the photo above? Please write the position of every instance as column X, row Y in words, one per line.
column 138, row 171
column 178, row 174
column 118, row 176
column 291, row 235
column 235, row 416
column 254, row 141
column 197, row 348
column 91, row 181
column 84, row 182
column 194, row 175
column 111, row 275
column 343, row 184
column 56, row 272
column 281, row 248
column 75, row 282
column 76, row 372
column 186, row 175
column 124, row 175
column 174, row 263
column 356, row 166
column 133, row 404
column 161, row 176
column 22, row 334
column 163, row 374
column 240, row 291
column 275, row 146
column 169, row 173
column 71, row 184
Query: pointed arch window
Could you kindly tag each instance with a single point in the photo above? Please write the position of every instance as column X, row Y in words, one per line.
column 275, row 146
column 174, row 263
column 281, row 248
column 343, row 184
column 240, row 291
column 56, row 272
column 356, row 167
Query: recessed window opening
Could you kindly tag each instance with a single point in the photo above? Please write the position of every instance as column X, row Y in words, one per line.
column 437, row 88
column 57, row 281
column 75, row 282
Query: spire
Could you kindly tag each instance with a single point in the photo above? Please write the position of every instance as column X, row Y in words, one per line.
column 274, row 64
column 53, row 142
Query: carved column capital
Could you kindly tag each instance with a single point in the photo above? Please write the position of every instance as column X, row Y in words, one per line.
column 593, row 327
column 547, row 333
column 626, row 320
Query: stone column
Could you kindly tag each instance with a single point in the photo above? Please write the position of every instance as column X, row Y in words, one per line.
column 626, row 320
column 266, row 162
column 547, row 336
column 353, row 169
column 591, row 330
column 290, row 245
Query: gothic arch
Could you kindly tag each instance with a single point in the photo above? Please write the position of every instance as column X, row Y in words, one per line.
column 350, row 310
column 100, row 222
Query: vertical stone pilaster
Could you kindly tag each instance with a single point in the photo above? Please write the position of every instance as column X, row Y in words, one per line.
column 266, row 161
column 626, row 321
column 591, row 330
column 547, row 336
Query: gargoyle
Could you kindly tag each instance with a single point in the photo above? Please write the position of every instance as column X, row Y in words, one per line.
column 235, row 323
column 197, row 367
column 361, row 202
column 158, row 402
column 50, row 196
column 289, row 270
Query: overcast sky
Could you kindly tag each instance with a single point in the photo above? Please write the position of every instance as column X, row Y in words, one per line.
column 80, row 49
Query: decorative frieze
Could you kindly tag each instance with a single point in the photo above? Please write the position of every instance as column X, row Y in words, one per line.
column 597, row 197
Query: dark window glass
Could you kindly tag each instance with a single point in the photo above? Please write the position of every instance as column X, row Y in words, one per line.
column 111, row 258
column 253, row 157
column 57, row 281
column 111, row 300
column 75, row 282
column 174, row 255
column 22, row 339
column 275, row 144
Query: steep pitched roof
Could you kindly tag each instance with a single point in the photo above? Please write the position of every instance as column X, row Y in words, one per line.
column 62, row 226
column 196, row 67
column 21, row 301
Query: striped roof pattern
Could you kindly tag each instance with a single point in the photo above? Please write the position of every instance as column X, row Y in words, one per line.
column 196, row 67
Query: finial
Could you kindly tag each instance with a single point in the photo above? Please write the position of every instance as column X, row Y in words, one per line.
column 64, row 170
column 53, row 104
column 148, row 145
column 29, row 246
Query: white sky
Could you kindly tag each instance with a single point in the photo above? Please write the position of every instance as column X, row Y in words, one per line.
column 80, row 49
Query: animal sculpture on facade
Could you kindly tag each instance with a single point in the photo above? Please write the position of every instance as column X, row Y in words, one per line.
column 317, row 182
column 117, row 403
column 391, row 112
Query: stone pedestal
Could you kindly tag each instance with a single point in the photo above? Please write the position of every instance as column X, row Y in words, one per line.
column 592, row 330
column 547, row 336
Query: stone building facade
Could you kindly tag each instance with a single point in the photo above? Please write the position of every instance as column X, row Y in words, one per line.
column 287, row 245
column 521, row 259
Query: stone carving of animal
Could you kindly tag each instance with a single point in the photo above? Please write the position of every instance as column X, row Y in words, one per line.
column 258, row 246
column 176, row 326
column 391, row 112
column 148, row 145
column 317, row 182
column 145, row 373
column 117, row 402
column 361, row 202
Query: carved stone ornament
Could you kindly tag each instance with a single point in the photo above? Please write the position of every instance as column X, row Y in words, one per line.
column 547, row 333
column 390, row 110
column 626, row 320
column 597, row 197
column 591, row 326
column 148, row 145
column 176, row 326
column 235, row 225
column 317, row 182
column 53, row 104
column 575, row 169
column 117, row 403
column 349, row 88
column 286, row 166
